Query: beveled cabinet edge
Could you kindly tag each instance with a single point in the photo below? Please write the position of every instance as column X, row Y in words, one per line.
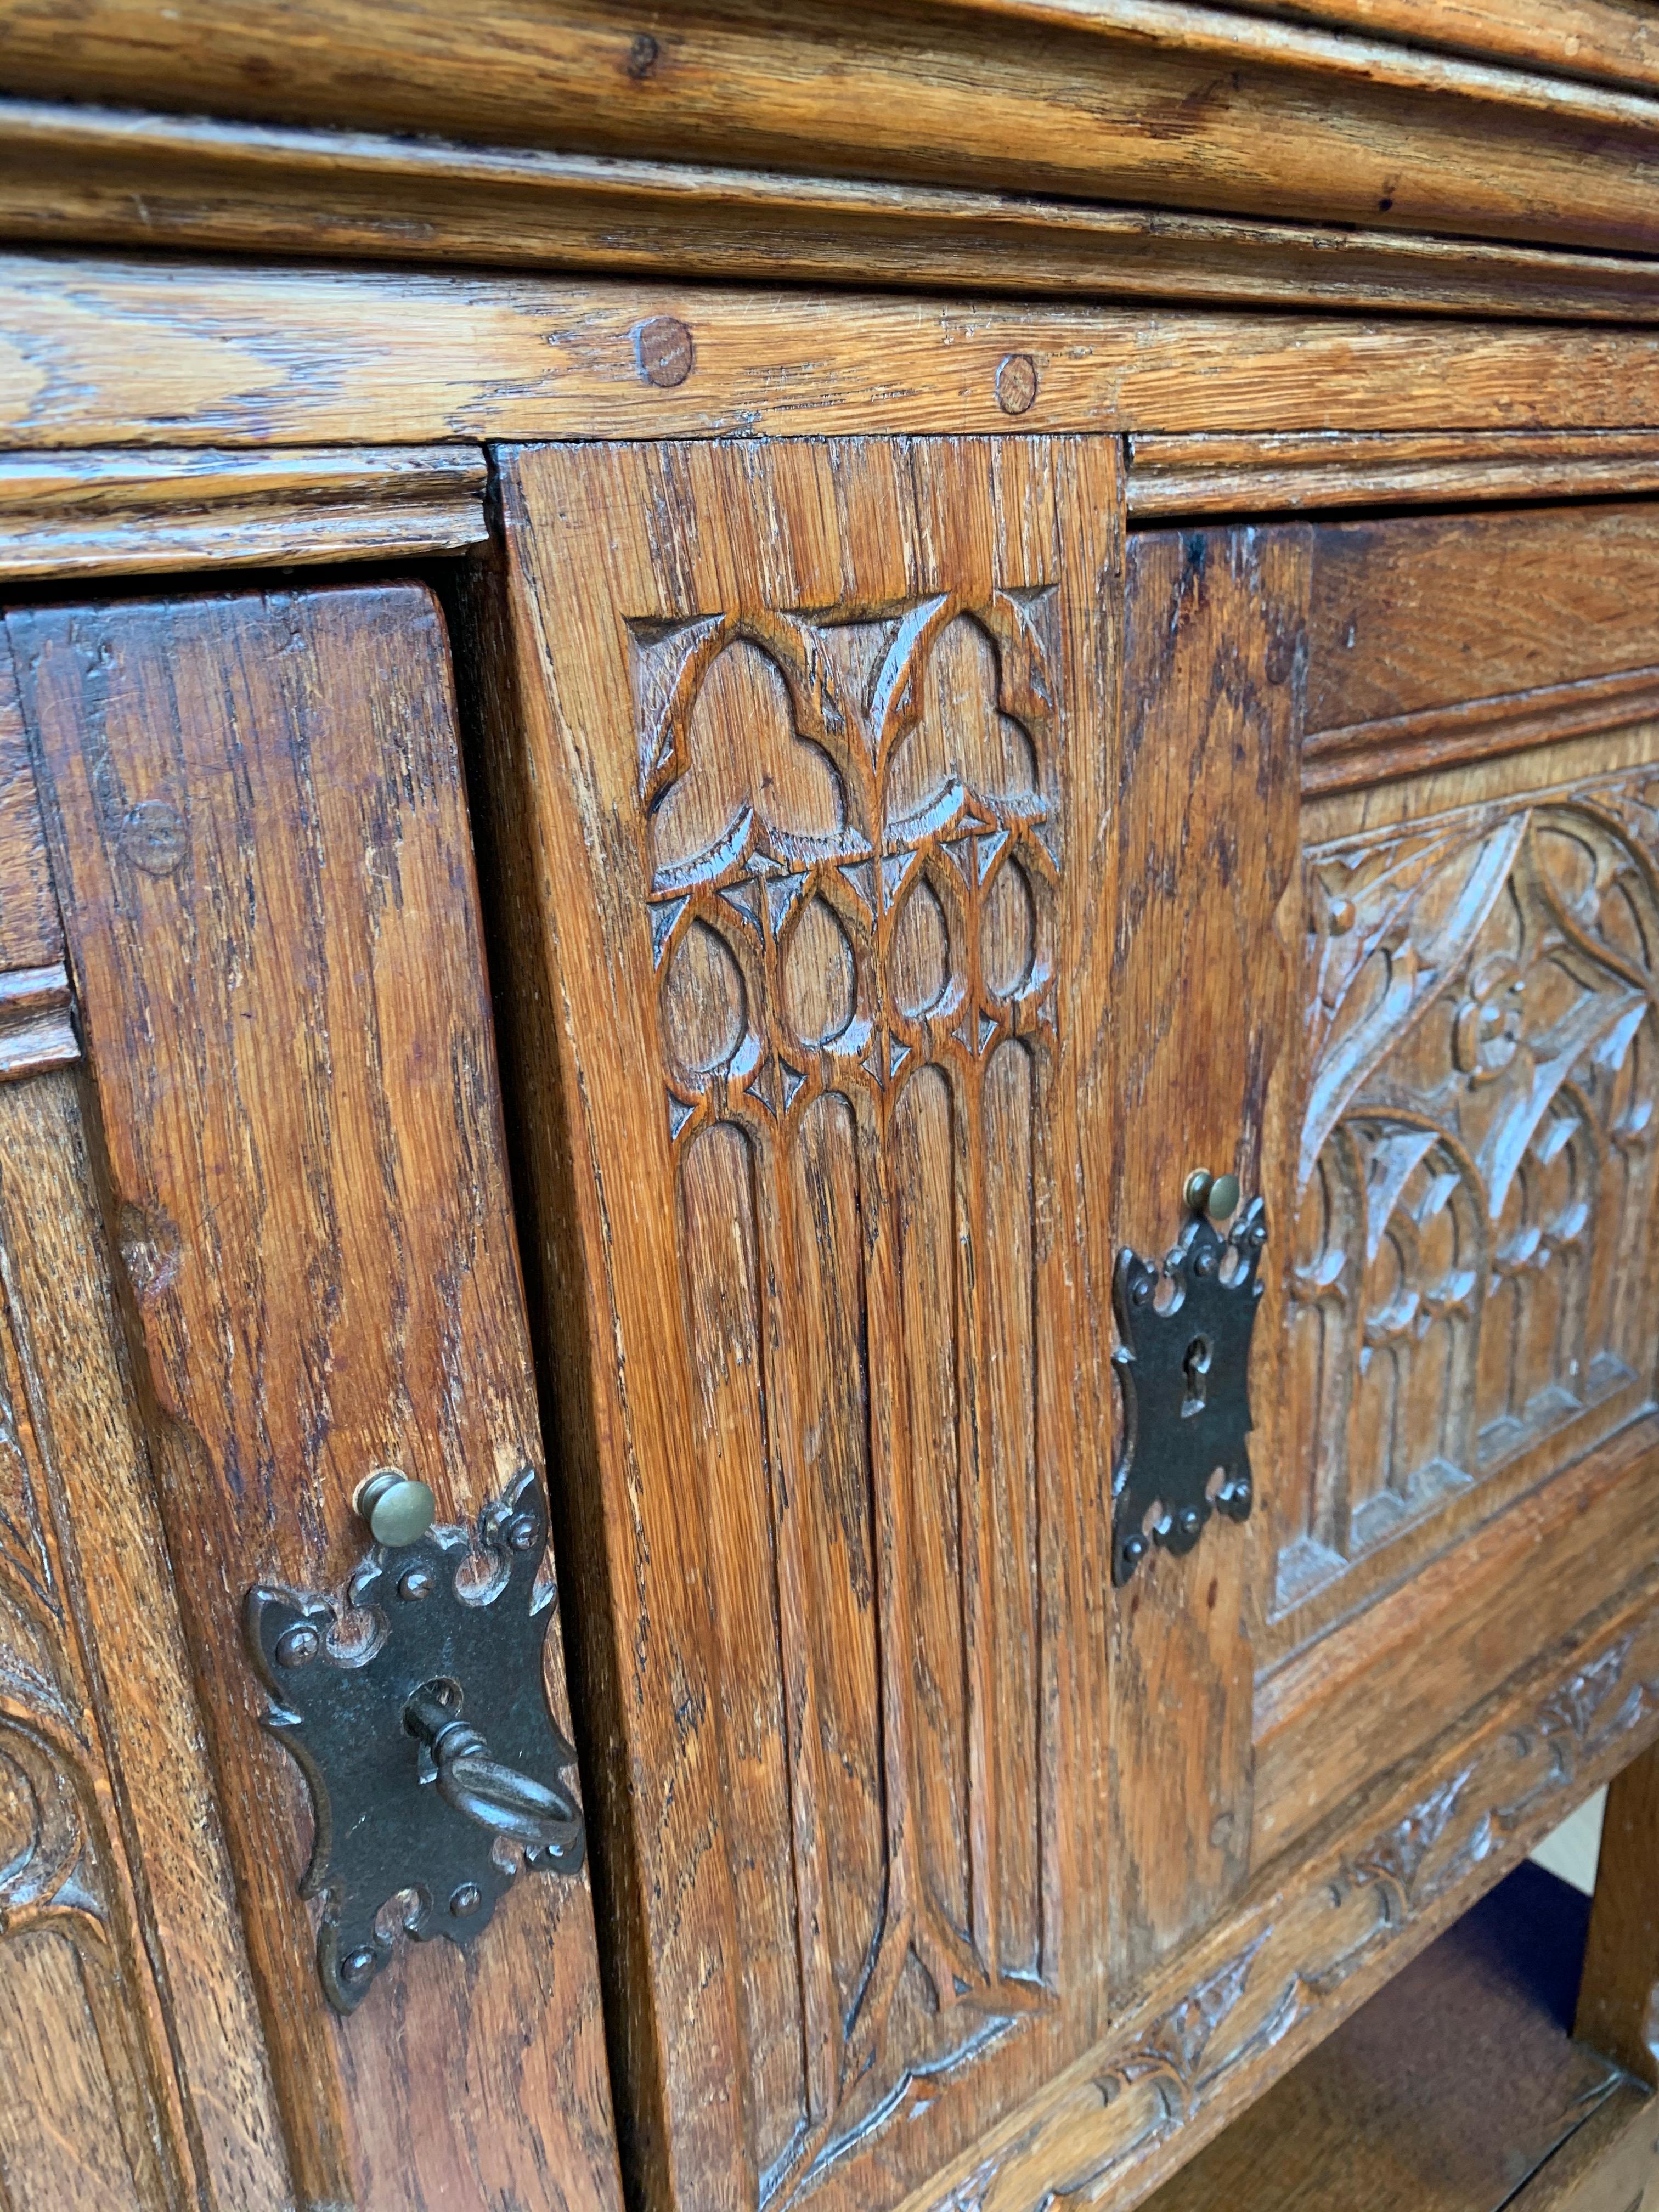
column 176, row 354
column 1324, row 1928
column 116, row 177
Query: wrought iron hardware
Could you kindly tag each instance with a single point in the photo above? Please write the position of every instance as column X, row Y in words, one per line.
column 1185, row 1370
column 415, row 1709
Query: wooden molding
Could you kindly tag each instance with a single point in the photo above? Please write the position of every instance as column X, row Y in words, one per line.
column 1208, row 475
column 1278, row 1975
column 1133, row 100
column 1610, row 41
column 127, row 178
column 103, row 513
column 176, row 354
column 1474, row 729
column 35, row 1029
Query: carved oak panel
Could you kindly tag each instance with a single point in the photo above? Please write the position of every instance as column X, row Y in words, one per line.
column 1476, row 1173
column 817, row 742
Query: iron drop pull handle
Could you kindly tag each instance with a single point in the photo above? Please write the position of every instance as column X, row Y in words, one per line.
column 376, row 1692
column 498, row 1797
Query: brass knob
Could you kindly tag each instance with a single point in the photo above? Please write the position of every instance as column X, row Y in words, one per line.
column 1216, row 1195
column 397, row 1509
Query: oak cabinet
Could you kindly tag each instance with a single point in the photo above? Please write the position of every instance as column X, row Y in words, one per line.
column 901, row 872
column 827, row 1064
column 909, row 874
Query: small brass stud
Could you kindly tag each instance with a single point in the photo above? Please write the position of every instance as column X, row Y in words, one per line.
column 397, row 1509
column 1223, row 1200
column 1197, row 1190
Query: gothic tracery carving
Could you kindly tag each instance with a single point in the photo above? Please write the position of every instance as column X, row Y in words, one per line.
column 1476, row 1167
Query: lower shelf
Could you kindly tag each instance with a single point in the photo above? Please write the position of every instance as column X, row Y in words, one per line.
column 1457, row 2088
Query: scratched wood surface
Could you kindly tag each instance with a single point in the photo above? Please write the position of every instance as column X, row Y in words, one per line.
column 100, row 351
column 1204, row 982
column 260, row 846
column 802, row 867
column 1106, row 100
column 107, row 176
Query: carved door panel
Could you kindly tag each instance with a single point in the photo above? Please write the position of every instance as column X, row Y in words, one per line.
column 1471, row 1340
column 261, row 853
column 809, row 823
column 134, row 2071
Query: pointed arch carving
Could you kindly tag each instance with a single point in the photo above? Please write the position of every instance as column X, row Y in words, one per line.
column 1477, row 1171
column 867, row 1342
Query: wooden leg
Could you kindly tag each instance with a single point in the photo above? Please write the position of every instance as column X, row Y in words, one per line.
column 1618, row 1995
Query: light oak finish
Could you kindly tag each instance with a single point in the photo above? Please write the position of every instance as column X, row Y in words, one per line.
column 118, row 513
column 182, row 354
column 259, row 842
column 1206, row 829
column 127, row 178
column 1619, row 1998
column 1320, row 1932
column 1614, row 41
column 1135, row 100
column 1457, row 2088
column 1211, row 474
column 811, row 974
column 135, row 2074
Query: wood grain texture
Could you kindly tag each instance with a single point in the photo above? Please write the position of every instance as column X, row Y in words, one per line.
column 1125, row 99
column 1619, row 1996
column 100, row 352
column 1219, row 475
column 1319, row 1932
column 31, row 934
column 1610, row 2164
column 1612, row 41
column 1393, row 1677
column 85, row 1554
column 803, row 856
column 1456, row 2088
column 261, row 849
column 1481, row 918
column 115, row 513
column 1205, row 827
column 1475, row 1237
column 96, row 176
column 1428, row 612
column 1431, row 739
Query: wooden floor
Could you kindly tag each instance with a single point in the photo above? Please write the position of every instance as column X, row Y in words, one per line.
column 1457, row 2088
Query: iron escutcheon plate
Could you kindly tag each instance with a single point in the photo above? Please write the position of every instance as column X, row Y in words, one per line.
column 1185, row 1371
column 446, row 1610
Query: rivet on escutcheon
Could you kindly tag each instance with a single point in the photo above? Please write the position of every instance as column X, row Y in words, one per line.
column 397, row 1509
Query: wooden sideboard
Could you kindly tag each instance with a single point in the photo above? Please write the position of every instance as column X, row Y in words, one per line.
column 850, row 821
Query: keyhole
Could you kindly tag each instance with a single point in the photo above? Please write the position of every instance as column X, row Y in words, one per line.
column 1196, row 1367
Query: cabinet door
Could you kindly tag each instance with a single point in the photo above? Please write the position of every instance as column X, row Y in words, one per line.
column 129, row 2047
column 260, row 849
column 849, row 1044
column 1472, row 1339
